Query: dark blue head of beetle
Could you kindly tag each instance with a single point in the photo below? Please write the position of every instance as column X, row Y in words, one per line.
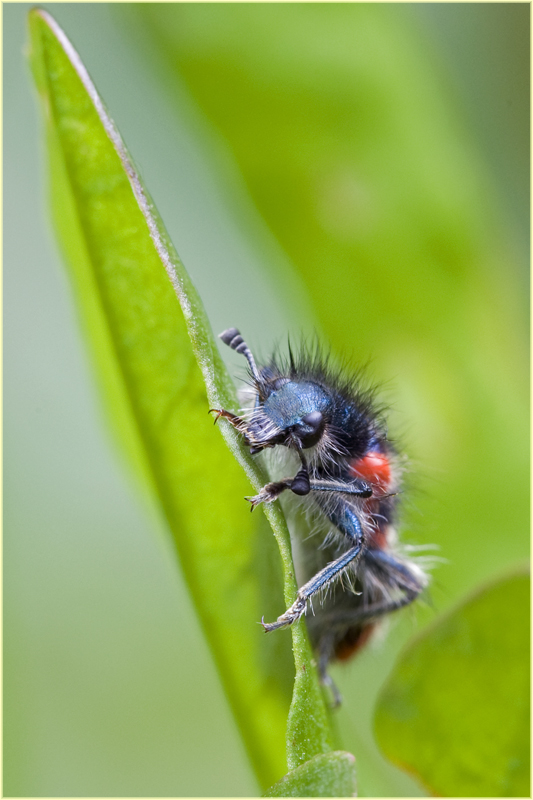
column 290, row 413
column 287, row 411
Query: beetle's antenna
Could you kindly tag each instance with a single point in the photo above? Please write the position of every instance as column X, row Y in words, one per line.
column 233, row 339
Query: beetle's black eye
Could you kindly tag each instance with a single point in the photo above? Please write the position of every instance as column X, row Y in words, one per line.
column 310, row 428
column 313, row 420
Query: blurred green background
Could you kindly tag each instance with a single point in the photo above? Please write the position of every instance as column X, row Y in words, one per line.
column 109, row 687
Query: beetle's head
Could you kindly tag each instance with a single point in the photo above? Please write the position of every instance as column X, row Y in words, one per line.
column 291, row 413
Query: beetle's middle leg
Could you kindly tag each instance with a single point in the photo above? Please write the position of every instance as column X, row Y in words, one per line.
column 272, row 491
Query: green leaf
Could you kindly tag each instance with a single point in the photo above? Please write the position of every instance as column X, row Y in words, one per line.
column 161, row 371
column 455, row 711
column 329, row 775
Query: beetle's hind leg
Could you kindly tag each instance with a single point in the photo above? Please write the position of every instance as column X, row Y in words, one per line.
column 404, row 580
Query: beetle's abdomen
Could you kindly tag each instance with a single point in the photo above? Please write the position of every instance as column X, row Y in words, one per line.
column 354, row 639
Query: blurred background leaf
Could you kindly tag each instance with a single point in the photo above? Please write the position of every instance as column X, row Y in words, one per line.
column 396, row 237
column 456, row 709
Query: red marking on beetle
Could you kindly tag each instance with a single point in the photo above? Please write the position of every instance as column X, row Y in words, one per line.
column 378, row 539
column 374, row 467
column 354, row 640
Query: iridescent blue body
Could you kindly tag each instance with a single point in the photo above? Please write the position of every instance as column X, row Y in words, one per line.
column 348, row 479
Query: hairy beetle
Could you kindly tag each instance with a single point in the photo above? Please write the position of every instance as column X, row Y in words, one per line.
column 348, row 478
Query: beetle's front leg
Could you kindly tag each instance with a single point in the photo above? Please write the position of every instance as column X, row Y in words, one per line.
column 238, row 422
